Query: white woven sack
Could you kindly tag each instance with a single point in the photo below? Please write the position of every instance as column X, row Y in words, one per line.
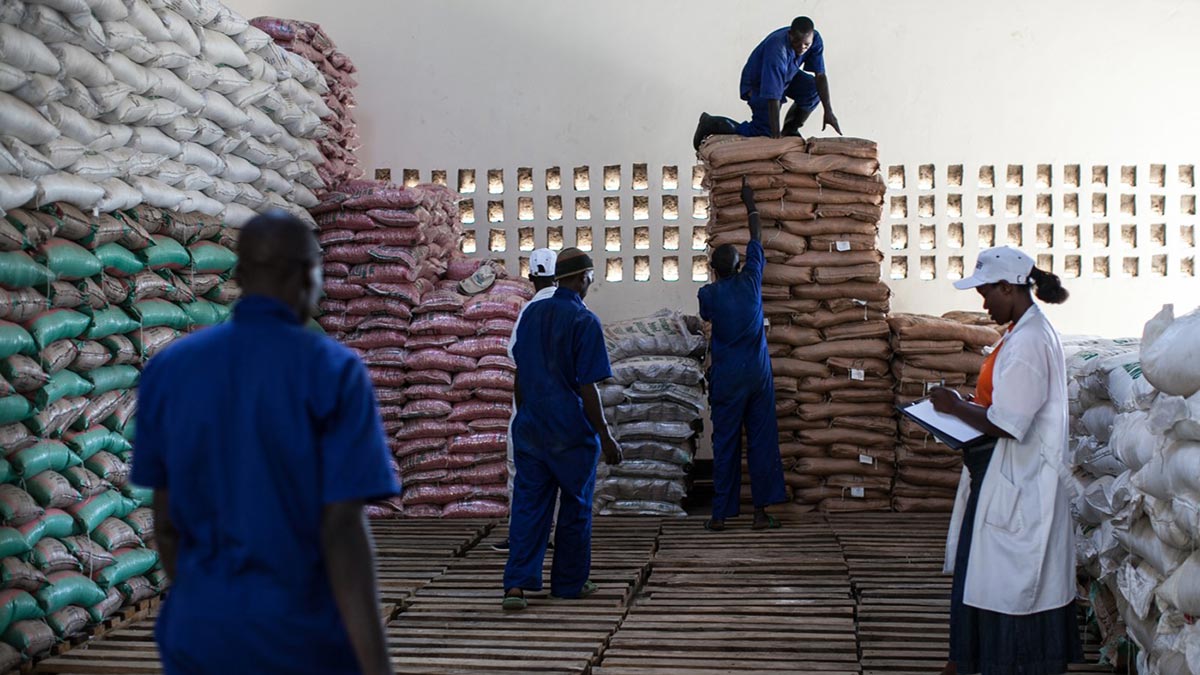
column 149, row 139
column 82, row 65
column 170, row 56
column 157, row 194
column 309, row 151
column 296, row 92
column 8, row 164
column 182, row 128
column 79, row 100
column 172, row 88
column 11, row 77
column 108, row 10
column 209, row 133
column 250, row 196
column 108, row 96
column 146, row 21
column 18, row 119
column 251, row 94
column 252, row 39
column 67, row 7
column 95, row 168
column 259, row 69
column 196, row 202
column 138, row 77
column 123, row 35
column 235, row 215
column 47, row 24
column 118, row 196
column 198, row 74
column 162, row 112
column 201, row 157
column 238, row 170
column 171, row 173
column 41, row 90
column 199, row 12
column 16, row 192
column 115, row 136
column 273, row 182
column 309, row 177
column 197, row 180
column 220, row 110
column 12, row 11
column 141, row 163
column 132, row 110
column 64, row 187
column 263, row 127
column 220, row 49
column 230, row 142
column 22, row 50
column 228, row 80
column 302, row 196
column 181, row 32
column 62, row 152
column 256, row 152
column 1171, row 351
column 91, row 34
column 223, row 191
column 301, row 68
column 230, row 23
column 31, row 163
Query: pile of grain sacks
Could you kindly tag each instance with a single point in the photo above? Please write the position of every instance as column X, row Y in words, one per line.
column 820, row 204
column 933, row 352
column 311, row 41
column 654, row 404
column 182, row 106
column 85, row 300
column 1135, row 413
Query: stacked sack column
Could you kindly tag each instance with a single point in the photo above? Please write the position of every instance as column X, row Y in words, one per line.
column 655, row 404
column 933, row 352
column 820, row 205
column 84, row 302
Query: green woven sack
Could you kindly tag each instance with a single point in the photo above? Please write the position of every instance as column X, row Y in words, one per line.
column 12, row 542
column 68, row 588
column 142, row 495
column 57, row 324
column 165, row 254
column 17, row 606
column 210, row 258
column 68, row 261
column 108, row 378
column 55, row 524
column 119, row 261
column 92, row 511
column 160, row 313
column 53, row 455
column 15, row 409
column 18, row 270
column 15, row 340
column 131, row 563
column 204, row 313
column 93, row 440
column 111, row 321
column 7, row 473
column 62, row 384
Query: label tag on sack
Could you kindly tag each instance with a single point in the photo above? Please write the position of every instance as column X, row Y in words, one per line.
column 856, row 374
column 843, row 246
column 866, row 459
column 858, row 492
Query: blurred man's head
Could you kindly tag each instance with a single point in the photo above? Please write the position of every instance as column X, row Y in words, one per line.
column 279, row 257
column 574, row 270
column 724, row 261
column 802, row 34
column 541, row 267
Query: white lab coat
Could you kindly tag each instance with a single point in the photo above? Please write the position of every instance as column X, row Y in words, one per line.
column 1022, row 550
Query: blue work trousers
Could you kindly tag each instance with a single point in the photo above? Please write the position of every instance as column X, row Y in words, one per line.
column 569, row 475
column 754, row 410
column 802, row 89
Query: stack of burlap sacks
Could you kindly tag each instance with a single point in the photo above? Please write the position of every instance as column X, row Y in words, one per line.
column 932, row 352
column 655, row 404
column 85, row 301
column 311, row 41
column 820, row 204
column 1135, row 415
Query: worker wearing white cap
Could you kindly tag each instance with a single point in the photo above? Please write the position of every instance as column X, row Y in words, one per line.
column 1010, row 544
column 541, row 273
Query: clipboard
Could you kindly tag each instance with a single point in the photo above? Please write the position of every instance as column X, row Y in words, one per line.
column 948, row 429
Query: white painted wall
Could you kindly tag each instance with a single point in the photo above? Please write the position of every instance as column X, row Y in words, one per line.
column 458, row 84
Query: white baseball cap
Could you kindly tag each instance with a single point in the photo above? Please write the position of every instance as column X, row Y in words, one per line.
column 541, row 262
column 1002, row 263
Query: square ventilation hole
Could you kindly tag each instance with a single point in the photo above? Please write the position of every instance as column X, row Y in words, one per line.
column 699, row 268
column 1100, row 235
column 954, row 206
column 496, row 211
column 1187, row 205
column 383, row 175
column 670, row 268
column 670, row 207
column 1045, row 235
column 1016, row 176
column 641, row 268
column 1100, row 204
column 641, row 177
column 612, row 177
column 670, row 179
column 896, row 176
column 612, row 208
column 523, row 265
column 671, row 238
column 495, row 181
column 525, row 208
column 1129, row 176
column 583, row 238
column 466, row 211
column 928, row 237
column 1187, row 235
column 1128, row 205
column 1012, row 206
column 925, row 177
column 1016, row 235
column 1187, row 175
column 466, row 181
column 1071, row 175
column 1071, row 238
column 1129, row 235
column 1072, row 267
column 1158, row 205
column 554, row 209
column 1158, row 234
column 525, row 239
column 554, row 178
column 524, row 179
column 899, row 206
column 928, row 268
column 954, row 175
column 899, row 237
column 954, row 270
column 699, row 239
column 1158, row 175
column 1100, row 176
column 1045, row 261
column 612, row 239
column 954, row 235
column 412, row 177
column 987, row 236
column 497, row 241
column 1071, row 205
column 1100, row 267
column 641, row 207
column 1129, row 267
column 925, row 206
column 983, row 206
column 438, row 177
column 554, row 238
column 1045, row 205
column 987, row 176
column 1044, row 176
column 614, row 269
column 583, row 208
column 1187, row 266
column 899, row 267
column 697, row 177
column 583, row 182
column 467, row 245
column 1158, row 265
column 699, row 208
column 641, row 238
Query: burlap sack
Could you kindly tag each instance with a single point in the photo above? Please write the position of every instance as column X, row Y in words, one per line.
column 862, row 396
column 768, row 211
column 905, row 489
column 776, row 293
column 951, row 462
column 831, row 492
column 865, row 212
column 863, row 455
column 854, row 289
column 765, row 182
column 853, row 505
column 837, row 180
column 857, row 330
column 822, row 196
column 778, row 350
column 845, row 366
column 796, row 449
column 801, row 162
column 840, row 305
column 790, row 367
column 836, row 275
column 919, row 505
column 861, row 349
column 939, row 478
column 724, row 198
column 725, row 151
column 818, row 466
column 826, row 411
column 830, row 227
column 833, row 242
column 844, row 145
column 906, row 372
column 827, row 319
column 876, row 423
column 797, row 308
column 787, row 275
column 795, row 423
column 773, row 240
column 799, row 482
column 902, row 346
column 829, row 384
column 785, row 407
column 759, row 168
column 919, row 327
column 880, row 478
column 971, row 318
column 962, row 362
column 784, row 383
column 822, row 258
column 796, row 336
column 830, row 436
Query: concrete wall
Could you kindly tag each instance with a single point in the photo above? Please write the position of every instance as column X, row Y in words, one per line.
column 472, row 85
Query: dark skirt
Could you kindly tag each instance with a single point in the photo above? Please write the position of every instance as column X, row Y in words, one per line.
column 1002, row 644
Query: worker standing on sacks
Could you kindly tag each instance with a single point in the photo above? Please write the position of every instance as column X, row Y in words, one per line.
column 1011, row 541
column 558, row 436
column 741, row 387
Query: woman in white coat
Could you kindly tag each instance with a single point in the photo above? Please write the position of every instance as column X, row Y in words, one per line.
column 1010, row 544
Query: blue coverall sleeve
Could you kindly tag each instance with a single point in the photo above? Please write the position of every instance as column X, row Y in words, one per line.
column 355, row 461
column 591, row 356
column 814, row 59
column 150, row 441
column 705, row 312
column 774, row 78
column 755, row 259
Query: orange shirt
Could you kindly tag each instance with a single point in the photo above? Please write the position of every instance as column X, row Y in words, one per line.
column 983, row 390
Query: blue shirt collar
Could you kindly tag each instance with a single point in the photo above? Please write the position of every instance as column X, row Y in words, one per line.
column 568, row 294
column 262, row 307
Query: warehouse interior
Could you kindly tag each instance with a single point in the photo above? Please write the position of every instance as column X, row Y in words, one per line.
column 433, row 147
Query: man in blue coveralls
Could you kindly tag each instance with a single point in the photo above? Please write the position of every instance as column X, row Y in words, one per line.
column 262, row 441
column 741, row 388
column 776, row 71
column 558, row 435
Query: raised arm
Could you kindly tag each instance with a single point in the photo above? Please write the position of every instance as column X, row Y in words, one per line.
column 752, row 211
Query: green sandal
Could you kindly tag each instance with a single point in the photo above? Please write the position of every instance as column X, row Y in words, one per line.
column 589, row 588
column 513, row 603
column 772, row 523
